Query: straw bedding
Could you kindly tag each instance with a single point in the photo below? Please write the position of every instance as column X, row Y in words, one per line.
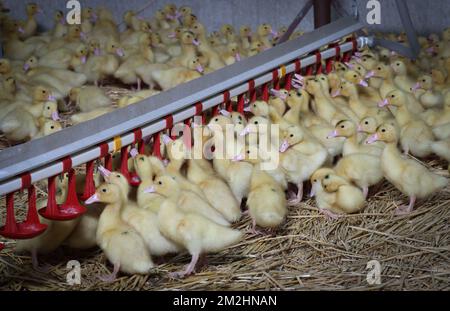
column 308, row 252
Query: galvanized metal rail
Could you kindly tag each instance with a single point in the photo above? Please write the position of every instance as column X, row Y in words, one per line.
column 43, row 158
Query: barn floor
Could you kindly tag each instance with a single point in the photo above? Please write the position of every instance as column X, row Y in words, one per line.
column 308, row 252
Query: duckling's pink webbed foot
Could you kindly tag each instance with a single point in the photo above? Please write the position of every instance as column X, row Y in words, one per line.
column 365, row 192
column 189, row 269
column 253, row 230
column 109, row 278
column 329, row 214
column 406, row 209
column 296, row 199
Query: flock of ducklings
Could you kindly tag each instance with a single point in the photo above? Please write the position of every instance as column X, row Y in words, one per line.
column 343, row 132
column 67, row 64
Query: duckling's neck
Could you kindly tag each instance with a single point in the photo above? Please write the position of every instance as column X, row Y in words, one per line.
column 402, row 115
column 188, row 48
column 391, row 154
column 145, row 173
column 175, row 165
column 30, row 16
column 353, row 94
column 110, row 217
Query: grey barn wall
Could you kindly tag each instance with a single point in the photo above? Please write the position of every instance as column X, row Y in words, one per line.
column 427, row 16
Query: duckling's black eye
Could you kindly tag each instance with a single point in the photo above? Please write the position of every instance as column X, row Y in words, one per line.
column 256, row 122
column 423, row 80
column 216, row 119
column 103, row 190
column 359, row 68
column 367, row 122
column 315, row 180
column 354, row 76
column 379, row 68
column 142, row 159
column 292, row 135
column 159, row 182
column 383, row 130
column 323, row 79
column 48, row 108
column 248, row 151
column 398, row 64
column 342, row 126
column 239, row 117
column 118, row 176
column 392, row 96
column 52, row 127
column 327, row 176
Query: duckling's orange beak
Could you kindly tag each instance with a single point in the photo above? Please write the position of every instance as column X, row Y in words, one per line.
column 134, row 153
column 372, row 138
column 92, row 199
column 120, row 52
column 284, row 146
column 104, row 172
column 312, row 193
column 416, row 87
column 333, row 134
column 370, row 74
column 150, row 189
column 363, row 83
column 55, row 116
column 383, row 103
column 238, row 158
column 336, row 93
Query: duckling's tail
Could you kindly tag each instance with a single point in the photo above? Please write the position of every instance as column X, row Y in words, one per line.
column 221, row 237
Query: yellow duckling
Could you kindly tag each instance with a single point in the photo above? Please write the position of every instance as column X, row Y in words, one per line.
column 236, row 174
column 408, row 176
column 123, row 246
column 361, row 108
column 323, row 106
column 60, row 28
column 215, row 62
column 262, row 34
column 215, row 189
column 402, row 80
column 172, row 77
column 100, row 66
column 362, row 169
column 335, row 195
column 245, row 34
column 86, row 116
column 278, row 100
column 300, row 156
column 415, row 134
column 196, row 233
column 347, row 129
column 429, row 98
column 48, row 128
column 89, row 98
column 147, row 168
column 266, row 200
column 30, row 26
